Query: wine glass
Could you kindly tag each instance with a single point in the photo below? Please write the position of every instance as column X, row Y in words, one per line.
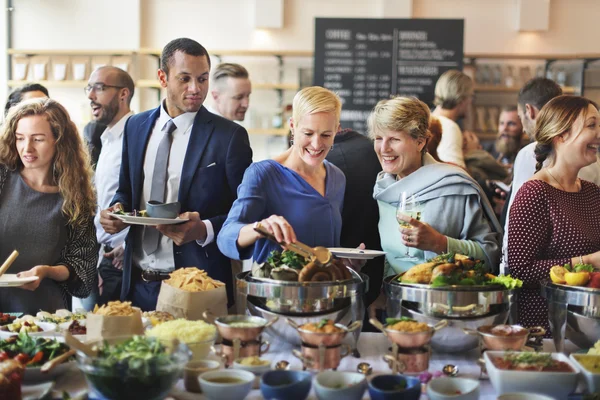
column 408, row 206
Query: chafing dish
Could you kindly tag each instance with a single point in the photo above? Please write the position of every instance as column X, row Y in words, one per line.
column 462, row 306
column 303, row 302
column 573, row 313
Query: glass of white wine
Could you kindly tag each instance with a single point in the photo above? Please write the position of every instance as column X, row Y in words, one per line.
column 407, row 206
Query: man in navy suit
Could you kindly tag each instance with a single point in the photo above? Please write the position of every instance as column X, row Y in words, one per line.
column 205, row 161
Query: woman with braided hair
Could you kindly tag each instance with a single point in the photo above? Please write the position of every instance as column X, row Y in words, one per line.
column 555, row 218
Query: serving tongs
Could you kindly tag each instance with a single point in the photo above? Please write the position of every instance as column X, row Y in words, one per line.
column 319, row 254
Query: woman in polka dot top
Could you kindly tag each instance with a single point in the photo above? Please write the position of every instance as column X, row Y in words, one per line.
column 555, row 219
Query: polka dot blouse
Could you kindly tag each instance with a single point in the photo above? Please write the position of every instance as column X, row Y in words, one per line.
column 548, row 227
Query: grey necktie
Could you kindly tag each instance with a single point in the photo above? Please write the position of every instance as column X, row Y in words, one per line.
column 159, row 184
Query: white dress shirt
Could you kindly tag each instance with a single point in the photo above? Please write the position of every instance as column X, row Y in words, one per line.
column 106, row 178
column 450, row 148
column 162, row 259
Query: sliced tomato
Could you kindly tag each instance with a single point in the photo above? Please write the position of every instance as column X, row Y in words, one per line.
column 22, row 358
column 38, row 357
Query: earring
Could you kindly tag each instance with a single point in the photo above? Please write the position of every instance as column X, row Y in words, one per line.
column 292, row 141
column 331, row 148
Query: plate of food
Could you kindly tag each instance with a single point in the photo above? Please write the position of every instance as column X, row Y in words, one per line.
column 451, row 270
column 141, row 218
column 33, row 328
column 579, row 276
column 32, row 352
column 11, row 280
column 359, row 254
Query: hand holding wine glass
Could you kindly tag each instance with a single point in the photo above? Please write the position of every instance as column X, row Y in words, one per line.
column 408, row 206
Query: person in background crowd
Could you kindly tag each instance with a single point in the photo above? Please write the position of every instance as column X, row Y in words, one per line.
column 25, row 92
column 555, row 218
column 532, row 97
column 454, row 94
column 509, row 138
column 178, row 152
column 484, row 168
column 231, row 89
column 399, row 127
column 92, row 131
column 353, row 154
column 298, row 195
column 47, row 206
column 110, row 90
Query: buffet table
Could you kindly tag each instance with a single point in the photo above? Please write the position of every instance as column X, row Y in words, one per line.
column 372, row 347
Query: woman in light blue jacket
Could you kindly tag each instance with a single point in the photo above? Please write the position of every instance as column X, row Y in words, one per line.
column 455, row 214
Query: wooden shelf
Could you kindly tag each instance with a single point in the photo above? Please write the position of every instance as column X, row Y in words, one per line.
column 152, row 83
column 576, row 56
column 71, row 52
column 515, row 89
column 51, row 84
column 241, row 53
column 272, row 131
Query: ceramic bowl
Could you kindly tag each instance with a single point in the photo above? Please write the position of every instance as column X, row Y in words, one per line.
column 194, row 369
column 394, row 387
column 257, row 370
column 453, row 388
column 225, row 390
column 523, row 396
column 337, row 385
column 288, row 385
column 156, row 209
column 554, row 384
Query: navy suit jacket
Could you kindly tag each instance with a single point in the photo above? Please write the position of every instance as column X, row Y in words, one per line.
column 217, row 156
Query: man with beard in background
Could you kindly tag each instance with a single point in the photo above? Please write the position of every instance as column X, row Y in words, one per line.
column 509, row 139
column 110, row 90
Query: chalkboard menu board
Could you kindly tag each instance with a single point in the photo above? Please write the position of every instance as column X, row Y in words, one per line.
column 367, row 60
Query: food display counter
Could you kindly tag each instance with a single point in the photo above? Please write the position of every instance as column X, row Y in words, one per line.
column 371, row 346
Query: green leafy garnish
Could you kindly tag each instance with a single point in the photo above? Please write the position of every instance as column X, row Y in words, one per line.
column 32, row 345
column 507, row 281
column 322, row 323
column 583, row 268
column 529, row 358
column 440, row 280
column 392, row 321
column 277, row 259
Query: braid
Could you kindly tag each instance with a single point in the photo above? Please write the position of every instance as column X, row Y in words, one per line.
column 541, row 153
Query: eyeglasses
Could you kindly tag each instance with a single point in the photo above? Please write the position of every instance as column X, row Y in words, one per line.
column 99, row 87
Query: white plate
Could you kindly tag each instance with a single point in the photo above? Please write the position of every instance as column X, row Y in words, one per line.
column 11, row 280
column 46, row 326
column 359, row 254
column 148, row 220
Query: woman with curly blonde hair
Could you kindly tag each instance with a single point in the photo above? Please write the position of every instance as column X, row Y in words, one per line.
column 47, row 205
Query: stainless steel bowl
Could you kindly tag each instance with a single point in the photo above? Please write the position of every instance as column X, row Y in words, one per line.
column 573, row 313
column 303, row 302
column 464, row 307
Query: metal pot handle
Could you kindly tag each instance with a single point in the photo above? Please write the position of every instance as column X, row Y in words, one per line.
column 221, row 355
column 265, row 343
column 293, row 323
column 442, row 324
column 208, row 316
column 271, row 322
column 536, row 331
column 307, row 361
column 354, row 326
column 348, row 349
column 378, row 325
column 395, row 364
column 469, row 331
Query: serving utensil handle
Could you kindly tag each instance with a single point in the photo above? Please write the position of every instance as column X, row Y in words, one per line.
column 469, row 331
column 73, row 343
column 298, row 248
column 8, row 262
column 293, row 323
column 442, row 324
column 48, row 365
